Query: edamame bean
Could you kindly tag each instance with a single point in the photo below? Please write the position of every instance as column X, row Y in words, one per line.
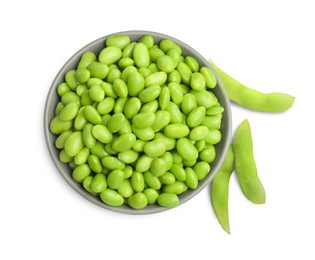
column 128, row 157
column 220, row 190
column 112, row 75
column 96, row 93
column 88, row 138
column 124, row 142
column 138, row 145
column 198, row 133
column 92, row 115
column 62, row 88
column 95, row 163
column 64, row 157
column 167, row 44
column 81, row 172
column 120, row 88
column 175, row 113
column 110, row 55
column 201, row 169
column 101, row 133
column 185, row 72
column 174, row 76
column 167, row 178
column 213, row 137
column 151, row 106
column 169, row 142
column 120, row 104
column 80, row 120
column 135, row 83
column 132, row 107
column 196, row 116
column 176, row 92
column 245, row 164
column 189, row 103
column 116, row 122
column 86, row 59
column 151, row 180
column 61, row 139
column 144, row 163
column 192, row 63
column 204, row 98
column 99, row 150
column 164, row 98
column 138, row 201
column 74, row 143
column 168, row 200
column 178, row 172
column 212, row 122
column 115, row 179
column 198, row 82
column 71, row 79
column 112, row 163
column 137, row 181
column 87, row 184
column 176, row 130
column 143, row 120
column 85, row 98
column 156, row 78
column 208, row 154
column 106, row 106
column 120, row 41
column 148, row 40
column 108, row 89
column 145, row 134
column 151, row 195
column 154, row 148
column 155, row 52
column 128, row 50
column 111, row 198
column 191, row 178
column 69, row 97
column 82, row 156
column 82, row 75
column 253, row 99
column 166, row 64
column 211, row 80
column 149, row 93
column 125, row 189
column 141, row 55
column 158, row 167
column 162, row 119
column 98, row 69
column 177, row 187
column 98, row 184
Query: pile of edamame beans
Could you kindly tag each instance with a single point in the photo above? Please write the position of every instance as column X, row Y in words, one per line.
column 138, row 123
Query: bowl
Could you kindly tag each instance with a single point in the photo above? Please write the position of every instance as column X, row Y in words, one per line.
column 65, row 171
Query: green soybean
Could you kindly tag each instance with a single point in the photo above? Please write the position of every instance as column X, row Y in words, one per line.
column 178, row 172
column 245, row 164
column 196, row 116
column 143, row 120
column 141, row 55
column 156, row 78
column 116, row 122
column 175, row 113
column 169, row 142
column 154, row 148
column 176, row 130
column 138, row 201
column 208, row 154
column 176, row 92
column 86, row 59
column 115, row 179
column 110, row 55
column 74, row 143
column 253, row 99
column 101, row 133
column 137, row 181
column 177, row 187
column 120, row 41
column 201, row 169
column 198, row 82
column 124, row 142
column 168, row 200
column 167, row 178
column 191, row 179
column 162, row 119
column 81, row 172
column 94, row 163
column 204, row 98
column 125, row 189
column 92, row 115
column 82, row 156
column 80, row 120
column 132, row 107
column 192, row 63
column 151, row 180
column 112, row 163
column 219, row 190
column 98, row 184
column 189, row 103
column 150, row 93
column 128, row 50
column 211, row 80
column 158, row 167
column 111, row 198
column 145, row 134
column 71, row 79
column 143, row 163
column 150, row 106
column 128, row 157
column 198, row 133
column 151, row 195
column 88, row 138
column 98, row 69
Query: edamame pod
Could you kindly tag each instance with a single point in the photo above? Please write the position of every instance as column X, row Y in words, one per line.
column 253, row 99
column 220, row 190
column 245, row 165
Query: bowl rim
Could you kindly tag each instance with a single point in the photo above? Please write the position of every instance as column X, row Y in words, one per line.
column 124, row 209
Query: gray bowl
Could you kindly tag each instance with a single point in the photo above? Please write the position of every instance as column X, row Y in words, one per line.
column 96, row 46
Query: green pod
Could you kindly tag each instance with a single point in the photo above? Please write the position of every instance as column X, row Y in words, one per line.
column 143, row 120
column 164, row 98
column 176, row 92
column 120, row 41
column 111, row 198
column 115, row 179
column 245, row 164
column 81, row 172
column 211, row 80
column 141, row 55
column 110, row 55
column 151, row 180
column 177, row 187
column 253, row 99
column 135, row 83
column 156, row 78
column 176, row 130
column 162, row 119
column 201, row 169
column 86, row 59
column 154, row 148
column 138, row 201
column 88, row 138
column 74, row 143
column 125, row 189
column 198, row 82
column 128, row 157
column 191, row 178
column 98, row 184
column 101, row 133
column 95, row 163
column 112, row 163
column 149, row 93
column 58, row 126
column 82, row 156
column 92, row 115
column 137, row 181
column 151, row 195
column 124, row 142
column 219, row 190
column 196, row 116
column 168, row 200
column 158, row 167
column 132, row 107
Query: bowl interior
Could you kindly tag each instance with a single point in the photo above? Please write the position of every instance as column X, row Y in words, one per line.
column 53, row 98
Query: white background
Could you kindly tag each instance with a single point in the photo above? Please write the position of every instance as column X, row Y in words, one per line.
column 267, row 45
